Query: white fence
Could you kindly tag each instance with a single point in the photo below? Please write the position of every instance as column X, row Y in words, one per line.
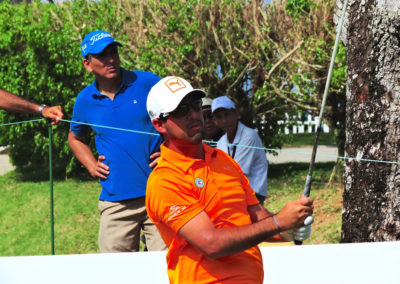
column 304, row 126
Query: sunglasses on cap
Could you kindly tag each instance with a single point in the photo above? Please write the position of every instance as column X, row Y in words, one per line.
column 183, row 109
column 111, row 50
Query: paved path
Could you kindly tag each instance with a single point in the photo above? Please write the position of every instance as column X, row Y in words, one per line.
column 287, row 155
column 5, row 165
column 303, row 155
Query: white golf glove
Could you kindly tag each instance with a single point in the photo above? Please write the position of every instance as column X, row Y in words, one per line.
column 299, row 234
column 304, row 232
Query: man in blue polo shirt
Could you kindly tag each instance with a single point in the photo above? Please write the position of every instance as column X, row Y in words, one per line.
column 117, row 99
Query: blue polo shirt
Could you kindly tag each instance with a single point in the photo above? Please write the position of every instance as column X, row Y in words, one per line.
column 127, row 153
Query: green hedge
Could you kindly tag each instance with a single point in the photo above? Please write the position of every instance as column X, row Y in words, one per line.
column 40, row 60
column 223, row 46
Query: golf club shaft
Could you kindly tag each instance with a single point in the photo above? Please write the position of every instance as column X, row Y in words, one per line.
column 307, row 186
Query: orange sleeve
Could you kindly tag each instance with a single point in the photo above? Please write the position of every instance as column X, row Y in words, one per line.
column 170, row 199
column 251, row 198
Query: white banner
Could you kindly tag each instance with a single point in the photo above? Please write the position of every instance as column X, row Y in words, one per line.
column 340, row 263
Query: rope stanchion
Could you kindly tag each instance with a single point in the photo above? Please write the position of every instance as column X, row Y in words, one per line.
column 245, row 146
column 149, row 133
column 214, row 143
column 51, row 188
column 110, row 127
column 21, row 122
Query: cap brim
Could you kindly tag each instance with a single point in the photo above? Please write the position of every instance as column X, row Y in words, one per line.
column 200, row 93
column 102, row 46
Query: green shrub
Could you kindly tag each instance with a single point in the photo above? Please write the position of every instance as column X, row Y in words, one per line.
column 40, row 60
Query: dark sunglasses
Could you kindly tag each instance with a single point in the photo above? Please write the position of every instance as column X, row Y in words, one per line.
column 183, row 109
column 109, row 51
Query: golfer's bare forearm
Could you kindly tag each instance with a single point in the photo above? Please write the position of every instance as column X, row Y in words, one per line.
column 218, row 242
column 236, row 239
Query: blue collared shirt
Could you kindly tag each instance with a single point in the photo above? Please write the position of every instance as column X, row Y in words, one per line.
column 127, row 153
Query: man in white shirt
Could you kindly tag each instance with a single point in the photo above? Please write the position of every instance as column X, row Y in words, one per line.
column 212, row 133
column 242, row 143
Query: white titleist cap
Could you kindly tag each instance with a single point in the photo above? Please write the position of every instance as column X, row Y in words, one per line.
column 166, row 95
column 207, row 102
column 222, row 102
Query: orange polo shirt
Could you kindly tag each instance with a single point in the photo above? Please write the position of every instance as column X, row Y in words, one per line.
column 178, row 189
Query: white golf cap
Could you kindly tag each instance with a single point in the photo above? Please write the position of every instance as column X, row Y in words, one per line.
column 166, row 95
column 222, row 102
column 207, row 102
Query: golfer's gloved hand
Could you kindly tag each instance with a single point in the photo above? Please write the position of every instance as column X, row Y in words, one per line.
column 299, row 234
column 304, row 232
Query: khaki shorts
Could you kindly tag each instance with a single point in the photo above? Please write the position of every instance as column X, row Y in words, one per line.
column 121, row 223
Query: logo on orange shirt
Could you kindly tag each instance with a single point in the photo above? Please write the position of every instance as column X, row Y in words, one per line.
column 175, row 210
column 199, row 182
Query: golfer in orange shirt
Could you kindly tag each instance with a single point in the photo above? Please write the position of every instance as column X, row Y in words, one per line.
column 202, row 203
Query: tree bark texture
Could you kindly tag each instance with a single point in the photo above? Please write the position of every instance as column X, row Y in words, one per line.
column 371, row 200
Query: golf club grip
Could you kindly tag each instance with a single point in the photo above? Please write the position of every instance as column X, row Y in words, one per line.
column 307, row 189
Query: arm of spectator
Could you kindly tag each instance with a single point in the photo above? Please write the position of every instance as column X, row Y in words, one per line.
column 54, row 113
column 153, row 159
column 11, row 102
column 84, row 154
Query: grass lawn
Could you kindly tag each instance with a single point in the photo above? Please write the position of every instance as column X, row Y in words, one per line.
column 25, row 210
column 301, row 139
column 25, row 217
column 286, row 182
